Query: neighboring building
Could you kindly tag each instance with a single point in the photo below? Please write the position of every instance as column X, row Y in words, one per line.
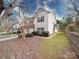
column 5, row 19
column 5, row 24
column 43, row 20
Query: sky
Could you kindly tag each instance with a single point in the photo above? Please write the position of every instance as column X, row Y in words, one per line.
column 56, row 5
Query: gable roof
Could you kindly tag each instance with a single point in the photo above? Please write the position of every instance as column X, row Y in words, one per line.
column 40, row 9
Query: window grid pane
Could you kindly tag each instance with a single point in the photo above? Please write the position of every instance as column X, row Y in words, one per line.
column 40, row 19
column 40, row 29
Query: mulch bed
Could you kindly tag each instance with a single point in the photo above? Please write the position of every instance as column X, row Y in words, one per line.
column 21, row 49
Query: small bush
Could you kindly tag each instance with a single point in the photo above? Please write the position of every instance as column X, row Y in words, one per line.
column 29, row 35
column 70, row 27
column 40, row 34
column 18, row 32
column 35, row 32
column 14, row 32
column 45, row 33
column 19, row 36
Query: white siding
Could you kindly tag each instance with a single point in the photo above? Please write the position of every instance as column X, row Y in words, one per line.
column 31, row 30
column 51, row 22
column 56, row 30
column 4, row 22
column 42, row 24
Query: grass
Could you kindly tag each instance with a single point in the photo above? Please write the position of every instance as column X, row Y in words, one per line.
column 54, row 46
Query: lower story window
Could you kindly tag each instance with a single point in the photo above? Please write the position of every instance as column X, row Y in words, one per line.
column 40, row 29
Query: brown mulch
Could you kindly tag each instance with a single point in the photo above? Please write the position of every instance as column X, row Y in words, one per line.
column 20, row 49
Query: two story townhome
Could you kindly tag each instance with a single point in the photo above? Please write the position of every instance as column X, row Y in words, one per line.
column 43, row 20
column 5, row 19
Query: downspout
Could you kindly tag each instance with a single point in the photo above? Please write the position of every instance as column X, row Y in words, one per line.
column 55, row 23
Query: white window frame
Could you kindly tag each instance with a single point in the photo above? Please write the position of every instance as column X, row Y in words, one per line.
column 40, row 19
column 40, row 29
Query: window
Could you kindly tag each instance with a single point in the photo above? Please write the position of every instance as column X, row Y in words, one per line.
column 40, row 29
column 0, row 23
column 30, row 21
column 40, row 19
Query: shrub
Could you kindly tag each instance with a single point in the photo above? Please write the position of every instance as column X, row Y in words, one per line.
column 35, row 32
column 14, row 32
column 29, row 35
column 39, row 33
column 18, row 32
column 45, row 33
column 19, row 36
column 70, row 27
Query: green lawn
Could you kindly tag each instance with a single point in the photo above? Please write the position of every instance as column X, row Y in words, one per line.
column 54, row 46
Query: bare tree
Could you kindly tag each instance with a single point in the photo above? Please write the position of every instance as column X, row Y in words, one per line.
column 75, row 5
column 71, row 7
column 26, row 8
column 1, row 6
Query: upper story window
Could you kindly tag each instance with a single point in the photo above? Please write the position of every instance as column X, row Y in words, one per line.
column 40, row 19
column 30, row 21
